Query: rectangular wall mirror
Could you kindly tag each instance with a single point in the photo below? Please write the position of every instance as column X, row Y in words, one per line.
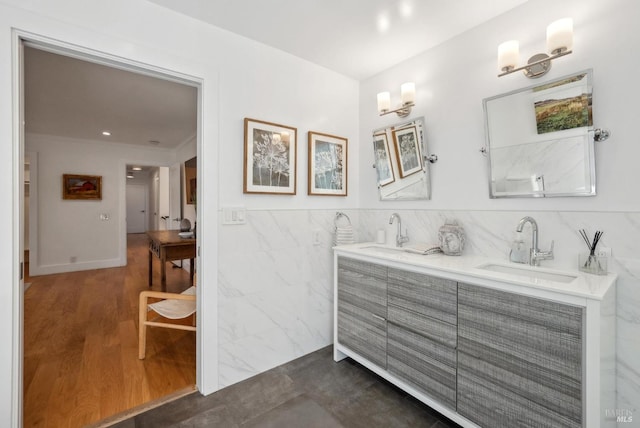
column 539, row 142
column 401, row 171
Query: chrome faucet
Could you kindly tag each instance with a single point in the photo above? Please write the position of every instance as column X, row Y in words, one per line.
column 535, row 255
column 400, row 238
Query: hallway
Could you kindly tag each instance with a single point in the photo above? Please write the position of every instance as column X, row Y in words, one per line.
column 81, row 338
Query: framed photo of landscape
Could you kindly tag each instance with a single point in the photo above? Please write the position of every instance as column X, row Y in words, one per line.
column 327, row 165
column 269, row 158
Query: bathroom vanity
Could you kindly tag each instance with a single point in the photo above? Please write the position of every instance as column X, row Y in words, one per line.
column 486, row 343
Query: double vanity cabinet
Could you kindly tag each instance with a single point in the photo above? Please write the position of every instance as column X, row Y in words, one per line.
column 484, row 348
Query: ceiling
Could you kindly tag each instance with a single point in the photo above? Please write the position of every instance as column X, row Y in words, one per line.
column 72, row 98
column 357, row 38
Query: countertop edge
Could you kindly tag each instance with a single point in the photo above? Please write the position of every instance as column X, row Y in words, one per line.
column 464, row 268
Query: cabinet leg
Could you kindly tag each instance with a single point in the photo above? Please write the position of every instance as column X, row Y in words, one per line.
column 337, row 355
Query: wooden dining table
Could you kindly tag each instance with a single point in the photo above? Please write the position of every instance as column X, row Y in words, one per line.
column 168, row 245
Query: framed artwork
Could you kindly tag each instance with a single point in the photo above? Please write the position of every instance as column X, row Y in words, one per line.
column 75, row 186
column 191, row 180
column 327, row 165
column 383, row 159
column 407, row 151
column 269, row 158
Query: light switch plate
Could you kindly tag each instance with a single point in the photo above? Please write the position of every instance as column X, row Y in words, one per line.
column 234, row 215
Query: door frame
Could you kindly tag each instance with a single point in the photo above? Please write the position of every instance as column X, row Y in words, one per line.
column 206, row 342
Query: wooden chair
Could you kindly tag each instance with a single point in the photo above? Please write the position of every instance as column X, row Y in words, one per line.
column 172, row 306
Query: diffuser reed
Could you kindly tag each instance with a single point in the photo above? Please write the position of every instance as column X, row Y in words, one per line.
column 591, row 262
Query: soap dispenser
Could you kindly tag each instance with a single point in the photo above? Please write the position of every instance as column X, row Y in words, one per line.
column 519, row 251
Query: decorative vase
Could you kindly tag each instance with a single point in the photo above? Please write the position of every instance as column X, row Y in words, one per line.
column 451, row 237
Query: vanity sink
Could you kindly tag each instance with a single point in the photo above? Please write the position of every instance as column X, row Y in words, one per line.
column 531, row 273
column 384, row 250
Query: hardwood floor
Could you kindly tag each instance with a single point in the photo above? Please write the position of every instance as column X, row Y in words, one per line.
column 81, row 339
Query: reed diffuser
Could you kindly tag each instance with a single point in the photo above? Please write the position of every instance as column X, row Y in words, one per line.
column 590, row 262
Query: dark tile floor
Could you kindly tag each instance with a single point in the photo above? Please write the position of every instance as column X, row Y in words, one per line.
column 312, row 391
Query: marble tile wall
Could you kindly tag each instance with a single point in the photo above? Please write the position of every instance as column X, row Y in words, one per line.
column 275, row 290
column 276, row 286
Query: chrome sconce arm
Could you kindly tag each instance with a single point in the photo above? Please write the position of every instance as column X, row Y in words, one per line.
column 559, row 44
column 538, row 65
column 403, row 111
column 408, row 93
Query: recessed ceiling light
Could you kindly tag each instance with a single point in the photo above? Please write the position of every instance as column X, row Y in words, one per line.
column 406, row 9
column 129, row 176
column 136, row 168
column 154, row 142
column 106, row 133
column 383, row 22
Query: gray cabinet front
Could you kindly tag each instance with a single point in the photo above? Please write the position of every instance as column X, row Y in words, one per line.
column 519, row 360
column 362, row 309
column 422, row 331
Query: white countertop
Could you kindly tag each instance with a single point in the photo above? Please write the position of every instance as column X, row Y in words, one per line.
column 529, row 280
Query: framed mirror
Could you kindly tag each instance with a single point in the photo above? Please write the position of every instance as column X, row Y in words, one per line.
column 401, row 170
column 539, row 142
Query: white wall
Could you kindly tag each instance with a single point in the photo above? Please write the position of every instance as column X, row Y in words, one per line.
column 454, row 78
column 240, row 78
column 163, row 203
column 71, row 228
column 451, row 82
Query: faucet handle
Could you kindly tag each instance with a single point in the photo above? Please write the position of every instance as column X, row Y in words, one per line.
column 547, row 255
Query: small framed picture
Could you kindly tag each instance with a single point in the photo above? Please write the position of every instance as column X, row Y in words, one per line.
column 407, row 151
column 76, row 186
column 269, row 158
column 384, row 169
column 327, row 165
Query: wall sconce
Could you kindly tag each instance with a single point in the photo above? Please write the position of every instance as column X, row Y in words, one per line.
column 408, row 94
column 559, row 43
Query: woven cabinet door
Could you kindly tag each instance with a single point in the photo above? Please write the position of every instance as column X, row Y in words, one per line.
column 422, row 333
column 362, row 309
column 519, row 360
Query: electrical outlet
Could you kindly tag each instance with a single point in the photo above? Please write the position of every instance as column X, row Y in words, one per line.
column 604, row 252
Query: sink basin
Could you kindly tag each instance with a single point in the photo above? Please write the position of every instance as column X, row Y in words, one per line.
column 533, row 273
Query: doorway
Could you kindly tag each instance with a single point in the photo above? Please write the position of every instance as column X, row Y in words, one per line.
column 121, row 180
column 136, row 208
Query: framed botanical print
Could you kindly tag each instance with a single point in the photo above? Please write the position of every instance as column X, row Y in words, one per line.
column 384, row 169
column 407, row 151
column 327, row 165
column 269, row 158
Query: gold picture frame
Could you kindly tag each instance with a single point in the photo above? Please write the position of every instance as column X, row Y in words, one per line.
column 327, row 165
column 407, row 151
column 81, row 187
column 269, row 158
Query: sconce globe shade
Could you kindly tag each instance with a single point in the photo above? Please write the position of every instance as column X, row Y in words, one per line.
column 384, row 101
column 408, row 93
column 560, row 36
column 508, row 55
